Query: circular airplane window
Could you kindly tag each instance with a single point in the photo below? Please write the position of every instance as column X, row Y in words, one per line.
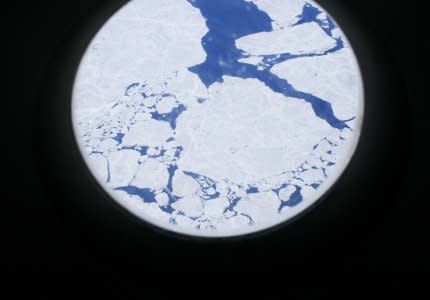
column 218, row 118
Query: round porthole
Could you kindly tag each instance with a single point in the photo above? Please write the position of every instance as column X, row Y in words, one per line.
column 218, row 118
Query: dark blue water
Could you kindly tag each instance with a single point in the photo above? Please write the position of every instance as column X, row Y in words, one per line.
column 315, row 186
column 141, row 149
column 234, row 201
column 147, row 195
column 252, row 190
column 205, row 184
column 294, row 199
column 131, row 87
column 168, row 190
column 229, row 20
column 170, row 117
column 119, row 138
column 310, row 14
column 250, row 220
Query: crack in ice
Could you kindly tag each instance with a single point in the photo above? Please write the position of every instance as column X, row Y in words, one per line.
column 142, row 102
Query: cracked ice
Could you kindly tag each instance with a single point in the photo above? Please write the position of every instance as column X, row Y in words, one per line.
column 206, row 123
